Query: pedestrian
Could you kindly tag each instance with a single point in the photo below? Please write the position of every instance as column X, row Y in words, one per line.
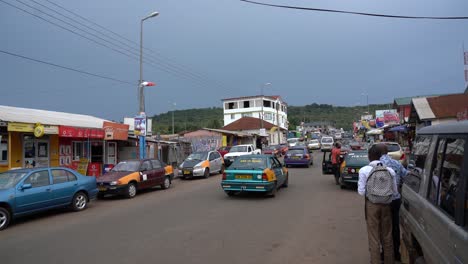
column 377, row 183
column 400, row 173
column 336, row 161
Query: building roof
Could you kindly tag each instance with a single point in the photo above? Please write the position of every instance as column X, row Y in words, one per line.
column 423, row 109
column 448, row 106
column 273, row 97
column 28, row 115
column 447, row 128
column 248, row 123
column 223, row 131
column 407, row 100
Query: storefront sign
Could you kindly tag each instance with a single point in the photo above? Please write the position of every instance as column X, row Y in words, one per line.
column 20, row 127
column 115, row 131
column 51, row 130
column 79, row 132
column 38, row 130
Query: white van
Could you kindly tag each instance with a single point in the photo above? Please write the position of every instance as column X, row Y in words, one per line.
column 327, row 143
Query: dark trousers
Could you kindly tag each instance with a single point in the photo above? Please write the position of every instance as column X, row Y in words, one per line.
column 336, row 172
column 395, row 205
column 379, row 231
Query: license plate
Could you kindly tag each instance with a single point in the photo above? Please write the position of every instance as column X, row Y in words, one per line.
column 103, row 189
column 186, row 172
column 244, row 177
column 296, row 157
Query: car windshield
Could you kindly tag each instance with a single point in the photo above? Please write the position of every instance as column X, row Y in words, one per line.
column 393, row 147
column 357, row 158
column 10, row 178
column 238, row 149
column 132, row 165
column 249, row 163
column 198, row 156
column 327, row 140
column 295, row 151
column 292, row 140
column 269, row 148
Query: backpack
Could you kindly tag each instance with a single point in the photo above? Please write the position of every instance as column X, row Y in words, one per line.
column 379, row 185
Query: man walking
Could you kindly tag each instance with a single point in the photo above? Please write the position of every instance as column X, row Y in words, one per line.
column 336, row 161
column 378, row 184
column 400, row 173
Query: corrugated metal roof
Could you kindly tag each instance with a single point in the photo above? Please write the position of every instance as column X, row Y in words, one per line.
column 240, row 134
column 407, row 100
column 423, row 108
column 449, row 105
column 28, row 115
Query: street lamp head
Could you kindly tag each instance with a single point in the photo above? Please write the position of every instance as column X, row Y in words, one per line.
column 151, row 15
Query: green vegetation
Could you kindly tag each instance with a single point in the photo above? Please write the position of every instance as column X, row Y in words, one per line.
column 193, row 119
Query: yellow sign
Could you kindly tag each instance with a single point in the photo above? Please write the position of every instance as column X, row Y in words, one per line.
column 20, row 127
column 224, row 143
column 39, row 130
column 82, row 167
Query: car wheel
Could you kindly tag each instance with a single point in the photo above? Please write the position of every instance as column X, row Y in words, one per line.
column 286, row 182
column 206, row 174
column 5, row 218
column 166, row 184
column 221, row 171
column 272, row 193
column 131, row 190
column 79, row 202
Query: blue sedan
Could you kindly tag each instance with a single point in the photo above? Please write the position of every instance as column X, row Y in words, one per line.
column 27, row 191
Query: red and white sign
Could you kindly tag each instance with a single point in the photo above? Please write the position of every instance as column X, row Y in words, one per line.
column 94, row 169
column 80, row 132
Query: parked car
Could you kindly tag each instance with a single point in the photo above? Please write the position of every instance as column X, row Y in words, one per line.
column 353, row 161
column 298, row 156
column 129, row 176
column 395, row 151
column 255, row 173
column 313, row 144
column 327, row 167
column 27, row 191
column 326, row 143
column 274, row 150
column 224, row 150
column 434, row 212
column 284, row 148
column 202, row 164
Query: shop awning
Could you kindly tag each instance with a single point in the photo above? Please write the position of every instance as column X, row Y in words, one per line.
column 401, row 128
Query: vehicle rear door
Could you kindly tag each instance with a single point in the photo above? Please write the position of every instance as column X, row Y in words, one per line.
column 278, row 169
column 64, row 185
column 39, row 196
column 215, row 162
column 147, row 179
column 159, row 171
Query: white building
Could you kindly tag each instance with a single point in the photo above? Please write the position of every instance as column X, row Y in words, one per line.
column 274, row 109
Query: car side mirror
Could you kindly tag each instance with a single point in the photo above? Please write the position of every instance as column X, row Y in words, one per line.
column 26, row 186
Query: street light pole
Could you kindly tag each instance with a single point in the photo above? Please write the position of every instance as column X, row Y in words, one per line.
column 141, row 95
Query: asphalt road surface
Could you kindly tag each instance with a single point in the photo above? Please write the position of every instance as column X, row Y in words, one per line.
column 312, row 221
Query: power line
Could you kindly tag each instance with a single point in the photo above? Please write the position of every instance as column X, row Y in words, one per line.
column 65, row 67
column 358, row 13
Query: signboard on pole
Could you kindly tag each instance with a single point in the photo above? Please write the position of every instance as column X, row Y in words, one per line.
column 140, row 125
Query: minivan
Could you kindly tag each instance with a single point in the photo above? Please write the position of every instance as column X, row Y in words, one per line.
column 434, row 211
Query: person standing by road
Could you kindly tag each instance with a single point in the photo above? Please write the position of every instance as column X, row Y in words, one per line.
column 378, row 184
column 400, row 173
column 336, row 161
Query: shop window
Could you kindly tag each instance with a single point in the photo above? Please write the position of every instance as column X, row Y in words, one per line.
column 417, row 161
column 266, row 103
column 446, row 174
column 3, row 149
column 78, row 150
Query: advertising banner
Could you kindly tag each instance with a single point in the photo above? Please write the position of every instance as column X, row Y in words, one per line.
column 20, row 127
column 387, row 117
column 79, row 132
column 94, row 169
column 140, row 125
column 115, row 131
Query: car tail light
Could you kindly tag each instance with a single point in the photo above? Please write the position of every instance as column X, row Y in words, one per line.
column 264, row 177
column 224, row 176
column 402, row 156
column 306, row 156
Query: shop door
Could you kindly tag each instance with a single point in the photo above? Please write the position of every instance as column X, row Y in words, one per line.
column 35, row 152
column 111, row 153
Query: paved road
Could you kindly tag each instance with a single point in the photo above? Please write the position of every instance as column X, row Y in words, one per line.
column 312, row 221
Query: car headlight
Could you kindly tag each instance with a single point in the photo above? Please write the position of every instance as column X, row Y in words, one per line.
column 197, row 167
column 113, row 183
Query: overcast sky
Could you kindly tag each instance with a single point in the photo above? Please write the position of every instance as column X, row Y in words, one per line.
column 206, row 50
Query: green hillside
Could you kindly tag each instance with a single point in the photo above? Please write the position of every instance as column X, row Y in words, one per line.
column 193, row 119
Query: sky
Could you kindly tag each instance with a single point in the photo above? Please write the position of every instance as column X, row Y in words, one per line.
column 201, row 51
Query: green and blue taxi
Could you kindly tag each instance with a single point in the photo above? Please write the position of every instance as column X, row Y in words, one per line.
column 353, row 162
column 255, row 173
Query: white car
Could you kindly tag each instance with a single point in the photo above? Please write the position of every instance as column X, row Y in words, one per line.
column 326, row 143
column 292, row 142
column 313, row 144
column 240, row 150
column 338, row 136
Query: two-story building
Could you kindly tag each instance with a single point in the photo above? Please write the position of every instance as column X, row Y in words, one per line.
column 269, row 108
